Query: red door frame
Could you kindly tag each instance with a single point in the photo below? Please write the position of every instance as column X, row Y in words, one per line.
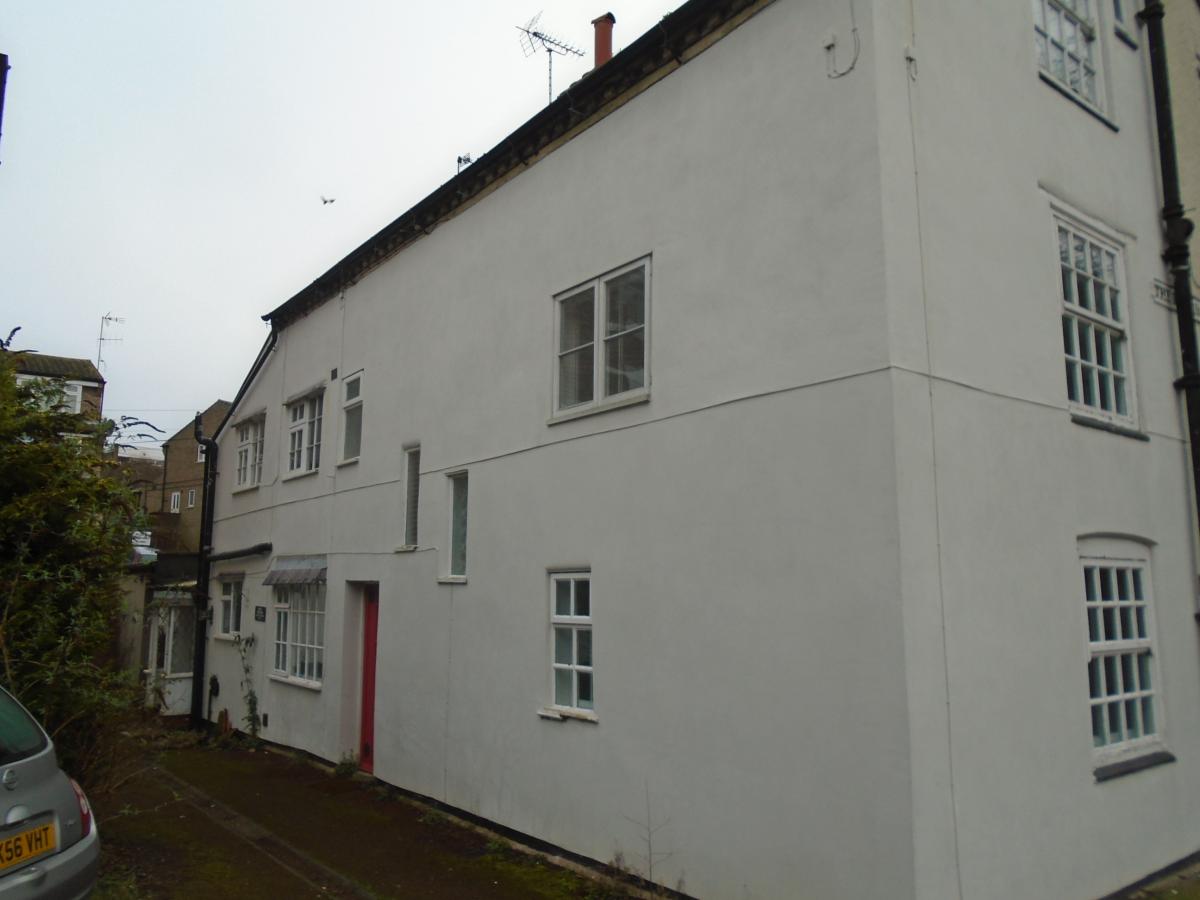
column 366, row 742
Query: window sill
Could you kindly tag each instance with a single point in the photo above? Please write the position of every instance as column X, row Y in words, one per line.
column 348, row 462
column 452, row 579
column 407, row 548
column 1078, row 101
column 1129, row 766
column 632, row 399
column 295, row 682
column 560, row 713
column 1110, row 427
column 226, row 638
column 245, row 489
column 292, row 476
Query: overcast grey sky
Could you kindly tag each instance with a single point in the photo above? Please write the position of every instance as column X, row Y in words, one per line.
column 164, row 161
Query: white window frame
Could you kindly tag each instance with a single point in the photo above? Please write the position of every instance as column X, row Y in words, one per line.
column 456, row 569
column 72, row 391
column 349, row 404
column 232, row 606
column 571, row 667
column 299, row 639
column 191, row 498
column 1070, row 30
column 1095, row 334
column 602, row 344
column 199, row 452
column 304, row 421
column 1119, row 626
column 250, row 433
column 174, row 507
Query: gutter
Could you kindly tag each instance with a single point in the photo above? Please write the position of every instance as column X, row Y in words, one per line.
column 205, row 557
column 1177, row 228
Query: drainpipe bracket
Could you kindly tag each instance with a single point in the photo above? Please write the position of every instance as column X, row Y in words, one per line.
column 1187, row 382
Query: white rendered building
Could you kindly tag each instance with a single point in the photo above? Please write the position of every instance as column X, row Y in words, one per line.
column 780, row 426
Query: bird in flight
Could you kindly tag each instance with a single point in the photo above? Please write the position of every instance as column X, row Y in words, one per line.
column 326, row 200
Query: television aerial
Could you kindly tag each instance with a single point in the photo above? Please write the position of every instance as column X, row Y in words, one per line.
column 532, row 38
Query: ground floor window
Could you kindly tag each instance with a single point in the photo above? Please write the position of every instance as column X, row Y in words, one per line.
column 300, row 631
column 571, row 623
column 231, row 607
column 1121, row 665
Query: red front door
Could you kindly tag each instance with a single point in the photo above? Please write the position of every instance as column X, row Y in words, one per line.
column 366, row 748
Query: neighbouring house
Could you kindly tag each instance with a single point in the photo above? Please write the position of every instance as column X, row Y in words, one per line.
column 81, row 382
column 772, row 450
column 168, row 616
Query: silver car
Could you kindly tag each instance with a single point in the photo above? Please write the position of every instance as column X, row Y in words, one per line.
column 49, row 846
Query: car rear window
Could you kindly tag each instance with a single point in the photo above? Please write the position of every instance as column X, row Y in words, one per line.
column 20, row 736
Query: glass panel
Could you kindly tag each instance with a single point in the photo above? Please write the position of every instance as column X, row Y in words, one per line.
column 583, row 597
column 1068, row 328
column 1128, row 679
column 226, row 613
column 1115, row 731
column 1106, row 585
column 1118, row 354
column 562, row 645
column 1083, row 290
column 1144, row 671
column 583, row 646
column 352, row 389
column 1122, row 584
column 1127, row 623
column 585, row 690
column 458, row 535
column 1094, row 688
column 1110, row 624
column 562, row 687
column 1093, row 625
column 1073, row 381
column 626, row 295
column 183, row 638
column 1141, row 621
column 1098, row 739
column 353, row 432
column 1148, row 715
column 625, row 362
column 1112, row 684
column 1085, row 341
column 20, row 735
column 1131, row 719
column 1114, row 302
column 562, row 597
column 1089, row 583
column 577, row 322
column 1137, row 585
column 575, row 377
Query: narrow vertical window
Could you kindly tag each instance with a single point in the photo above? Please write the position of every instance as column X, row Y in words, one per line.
column 572, row 667
column 191, row 498
column 1066, row 46
column 412, row 495
column 352, row 417
column 458, row 524
column 231, row 607
column 249, row 452
column 174, row 501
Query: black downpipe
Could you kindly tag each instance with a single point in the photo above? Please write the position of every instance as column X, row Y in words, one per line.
column 1177, row 228
column 205, row 557
column 202, row 568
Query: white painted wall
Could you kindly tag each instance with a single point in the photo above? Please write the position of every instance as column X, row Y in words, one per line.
column 839, row 637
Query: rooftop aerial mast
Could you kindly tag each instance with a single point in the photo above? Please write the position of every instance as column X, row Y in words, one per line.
column 532, row 38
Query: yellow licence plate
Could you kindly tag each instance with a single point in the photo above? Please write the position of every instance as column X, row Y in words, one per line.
column 26, row 845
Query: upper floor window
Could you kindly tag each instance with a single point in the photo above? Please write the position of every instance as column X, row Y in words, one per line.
column 352, row 416
column 1122, row 675
column 602, row 339
column 191, row 498
column 249, row 452
column 174, row 501
column 304, row 434
column 1094, row 317
column 1065, row 36
column 1125, row 19
column 71, row 399
column 199, row 453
